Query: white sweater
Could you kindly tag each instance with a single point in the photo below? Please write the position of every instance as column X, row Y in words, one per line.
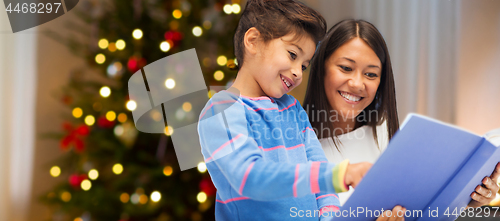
column 358, row 146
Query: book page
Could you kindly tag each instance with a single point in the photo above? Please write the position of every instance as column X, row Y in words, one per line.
column 494, row 137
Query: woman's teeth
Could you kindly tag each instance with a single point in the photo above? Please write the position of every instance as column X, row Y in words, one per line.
column 286, row 82
column 350, row 97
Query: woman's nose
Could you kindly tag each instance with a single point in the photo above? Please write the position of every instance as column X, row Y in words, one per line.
column 356, row 82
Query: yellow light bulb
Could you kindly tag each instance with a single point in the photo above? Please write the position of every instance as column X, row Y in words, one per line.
column 137, row 34
column 167, row 171
column 111, row 116
column 120, row 44
column 155, row 196
column 89, row 120
column 55, row 171
column 197, row 31
column 105, row 91
column 228, row 9
column 117, row 169
column 177, row 13
column 122, row 117
column 77, row 112
column 100, row 58
column 103, row 43
column 131, row 105
column 201, row 197
column 165, row 46
column 124, row 197
column 93, row 174
column 219, row 75
column 202, row 167
column 86, row 185
column 222, row 60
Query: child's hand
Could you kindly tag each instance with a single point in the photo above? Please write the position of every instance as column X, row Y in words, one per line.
column 397, row 214
column 484, row 194
column 355, row 172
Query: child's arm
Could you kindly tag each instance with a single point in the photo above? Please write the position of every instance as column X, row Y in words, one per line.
column 351, row 173
column 232, row 154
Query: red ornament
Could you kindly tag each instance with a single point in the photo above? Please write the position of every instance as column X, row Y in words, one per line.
column 207, row 186
column 74, row 136
column 135, row 63
column 173, row 37
column 105, row 123
column 76, row 180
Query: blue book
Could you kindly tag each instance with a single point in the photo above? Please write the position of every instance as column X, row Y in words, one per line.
column 429, row 167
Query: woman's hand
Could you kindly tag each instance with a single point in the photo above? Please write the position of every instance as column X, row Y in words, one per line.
column 397, row 214
column 355, row 172
column 484, row 194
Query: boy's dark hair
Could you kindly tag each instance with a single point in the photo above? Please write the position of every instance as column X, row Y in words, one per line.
column 275, row 19
column 383, row 107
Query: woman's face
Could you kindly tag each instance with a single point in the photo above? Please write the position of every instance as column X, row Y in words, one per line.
column 352, row 78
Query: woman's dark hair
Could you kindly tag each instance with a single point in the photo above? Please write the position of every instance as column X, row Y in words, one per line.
column 383, row 108
column 275, row 19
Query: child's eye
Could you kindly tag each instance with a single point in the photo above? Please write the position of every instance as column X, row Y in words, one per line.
column 371, row 75
column 292, row 55
column 345, row 68
column 304, row 67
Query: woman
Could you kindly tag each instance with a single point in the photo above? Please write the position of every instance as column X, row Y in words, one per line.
column 351, row 99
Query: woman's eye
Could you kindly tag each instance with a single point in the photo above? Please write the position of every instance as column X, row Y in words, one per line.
column 371, row 75
column 304, row 67
column 345, row 68
column 292, row 55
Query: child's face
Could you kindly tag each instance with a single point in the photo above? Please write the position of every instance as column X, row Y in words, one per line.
column 352, row 78
column 281, row 62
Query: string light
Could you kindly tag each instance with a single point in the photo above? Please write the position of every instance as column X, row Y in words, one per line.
column 236, row 8
column 131, row 105
column 143, row 199
column 111, row 116
column 55, row 171
column 117, row 169
column 201, row 197
column 169, row 130
column 211, row 93
column 202, row 167
column 105, row 91
column 120, row 44
column 77, row 112
column 155, row 196
column 66, row 196
column 112, row 47
column 222, row 60
column 118, row 130
column 197, row 31
column 89, row 120
column 167, row 171
column 170, row 83
column 228, row 9
column 165, row 46
column 207, row 24
column 86, row 185
column 186, row 106
column 78, row 219
column 103, row 43
column 137, row 34
column 93, row 174
column 124, row 197
column 177, row 13
column 219, row 75
column 122, row 117
column 100, row 58
column 134, row 198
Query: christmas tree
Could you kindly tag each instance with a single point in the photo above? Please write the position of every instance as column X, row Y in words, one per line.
column 113, row 171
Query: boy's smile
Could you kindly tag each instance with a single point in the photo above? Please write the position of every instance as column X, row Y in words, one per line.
column 275, row 68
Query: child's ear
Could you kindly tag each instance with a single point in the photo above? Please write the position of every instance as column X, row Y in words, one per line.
column 250, row 40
